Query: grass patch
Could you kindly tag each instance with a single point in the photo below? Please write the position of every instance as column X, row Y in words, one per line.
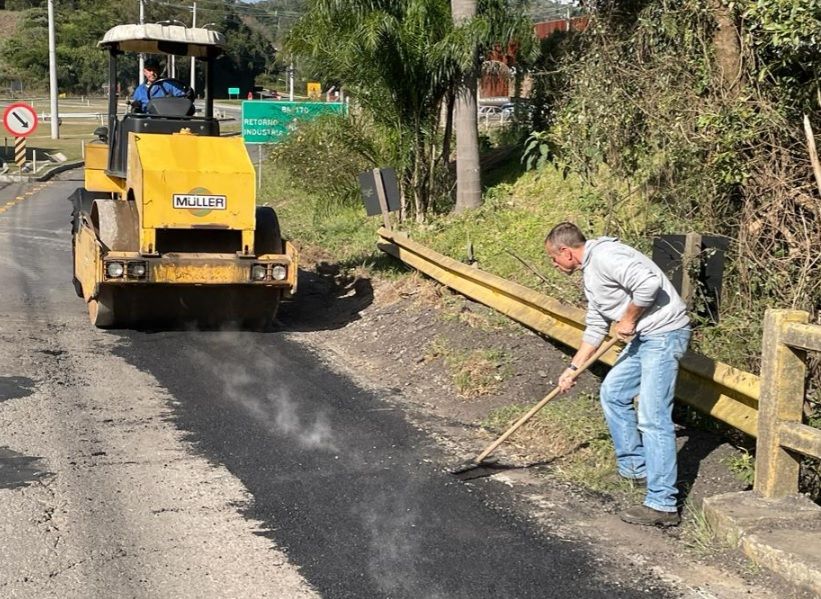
column 506, row 233
column 473, row 372
column 481, row 319
column 325, row 231
column 697, row 533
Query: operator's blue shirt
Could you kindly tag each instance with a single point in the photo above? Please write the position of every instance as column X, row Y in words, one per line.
column 164, row 89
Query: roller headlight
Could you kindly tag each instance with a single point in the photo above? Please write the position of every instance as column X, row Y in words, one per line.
column 258, row 272
column 114, row 270
column 279, row 273
column 136, row 270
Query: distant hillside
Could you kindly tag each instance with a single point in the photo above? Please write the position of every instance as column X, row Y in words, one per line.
column 274, row 17
column 8, row 25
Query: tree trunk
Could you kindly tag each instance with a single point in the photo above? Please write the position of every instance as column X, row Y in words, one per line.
column 468, row 183
column 726, row 45
column 448, row 108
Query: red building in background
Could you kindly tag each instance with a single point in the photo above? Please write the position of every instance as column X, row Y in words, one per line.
column 497, row 68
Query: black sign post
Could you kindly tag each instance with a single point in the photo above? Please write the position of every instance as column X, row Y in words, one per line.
column 695, row 265
column 380, row 193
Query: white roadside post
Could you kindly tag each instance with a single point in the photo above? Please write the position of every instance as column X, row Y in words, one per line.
column 52, row 73
column 142, row 56
column 193, row 60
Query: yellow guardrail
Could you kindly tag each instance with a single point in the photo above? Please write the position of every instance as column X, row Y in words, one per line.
column 725, row 393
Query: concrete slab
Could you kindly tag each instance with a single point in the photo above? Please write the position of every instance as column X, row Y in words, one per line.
column 782, row 535
column 794, row 554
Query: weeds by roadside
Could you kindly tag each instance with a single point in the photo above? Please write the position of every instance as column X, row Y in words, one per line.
column 742, row 465
column 570, row 433
column 473, row 372
column 697, row 533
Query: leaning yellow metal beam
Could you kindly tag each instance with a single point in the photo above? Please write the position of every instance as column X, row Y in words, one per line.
column 723, row 392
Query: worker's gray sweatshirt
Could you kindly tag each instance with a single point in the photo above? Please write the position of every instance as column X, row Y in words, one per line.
column 615, row 275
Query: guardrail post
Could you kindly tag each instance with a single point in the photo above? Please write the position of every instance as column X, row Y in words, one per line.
column 690, row 266
column 783, row 370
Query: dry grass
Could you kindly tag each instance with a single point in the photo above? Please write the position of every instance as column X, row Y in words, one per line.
column 423, row 292
column 697, row 533
column 569, row 433
column 561, row 427
column 473, row 372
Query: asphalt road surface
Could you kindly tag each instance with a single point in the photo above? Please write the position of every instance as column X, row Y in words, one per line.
column 229, row 464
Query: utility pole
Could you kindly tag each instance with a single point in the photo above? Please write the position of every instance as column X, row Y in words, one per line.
column 142, row 56
column 291, row 82
column 193, row 60
column 52, row 73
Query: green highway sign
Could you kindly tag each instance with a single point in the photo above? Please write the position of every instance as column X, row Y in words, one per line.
column 265, row 122
column 233, row 91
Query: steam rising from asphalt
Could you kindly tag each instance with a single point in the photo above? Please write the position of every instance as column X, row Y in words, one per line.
column 274, row 410
column 391, row 519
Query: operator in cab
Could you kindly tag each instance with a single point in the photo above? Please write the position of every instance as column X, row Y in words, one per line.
column 147, row 91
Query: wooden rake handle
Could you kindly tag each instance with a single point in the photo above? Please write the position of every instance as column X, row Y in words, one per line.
column 599, row 353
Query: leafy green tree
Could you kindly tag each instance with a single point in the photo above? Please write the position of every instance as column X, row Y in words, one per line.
column 784, row 35
column 24, row 4
column 26, row 56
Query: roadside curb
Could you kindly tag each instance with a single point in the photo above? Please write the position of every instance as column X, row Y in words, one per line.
column 778, row 534
column 60, row 168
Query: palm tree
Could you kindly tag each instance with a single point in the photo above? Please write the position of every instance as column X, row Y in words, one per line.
column 468, row 176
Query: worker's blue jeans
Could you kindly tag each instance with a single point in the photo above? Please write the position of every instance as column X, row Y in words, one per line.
column 646, row 443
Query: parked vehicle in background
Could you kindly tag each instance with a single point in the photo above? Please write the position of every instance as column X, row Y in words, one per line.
column 264, row 93
column 490, row 111
column 521, row 111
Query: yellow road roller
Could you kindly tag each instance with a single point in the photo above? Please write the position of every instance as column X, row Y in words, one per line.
column 167, row 225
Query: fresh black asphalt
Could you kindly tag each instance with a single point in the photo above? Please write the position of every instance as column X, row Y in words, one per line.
column 357, row 496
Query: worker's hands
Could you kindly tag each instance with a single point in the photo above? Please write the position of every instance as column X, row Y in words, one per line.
column 625, row 328
column 566, row 380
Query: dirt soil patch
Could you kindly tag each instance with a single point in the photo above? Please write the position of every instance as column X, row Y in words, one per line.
column 419, row 345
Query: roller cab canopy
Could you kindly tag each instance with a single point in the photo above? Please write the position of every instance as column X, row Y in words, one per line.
column 153, row 38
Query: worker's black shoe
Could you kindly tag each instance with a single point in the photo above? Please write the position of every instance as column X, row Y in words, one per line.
column 641, row 514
